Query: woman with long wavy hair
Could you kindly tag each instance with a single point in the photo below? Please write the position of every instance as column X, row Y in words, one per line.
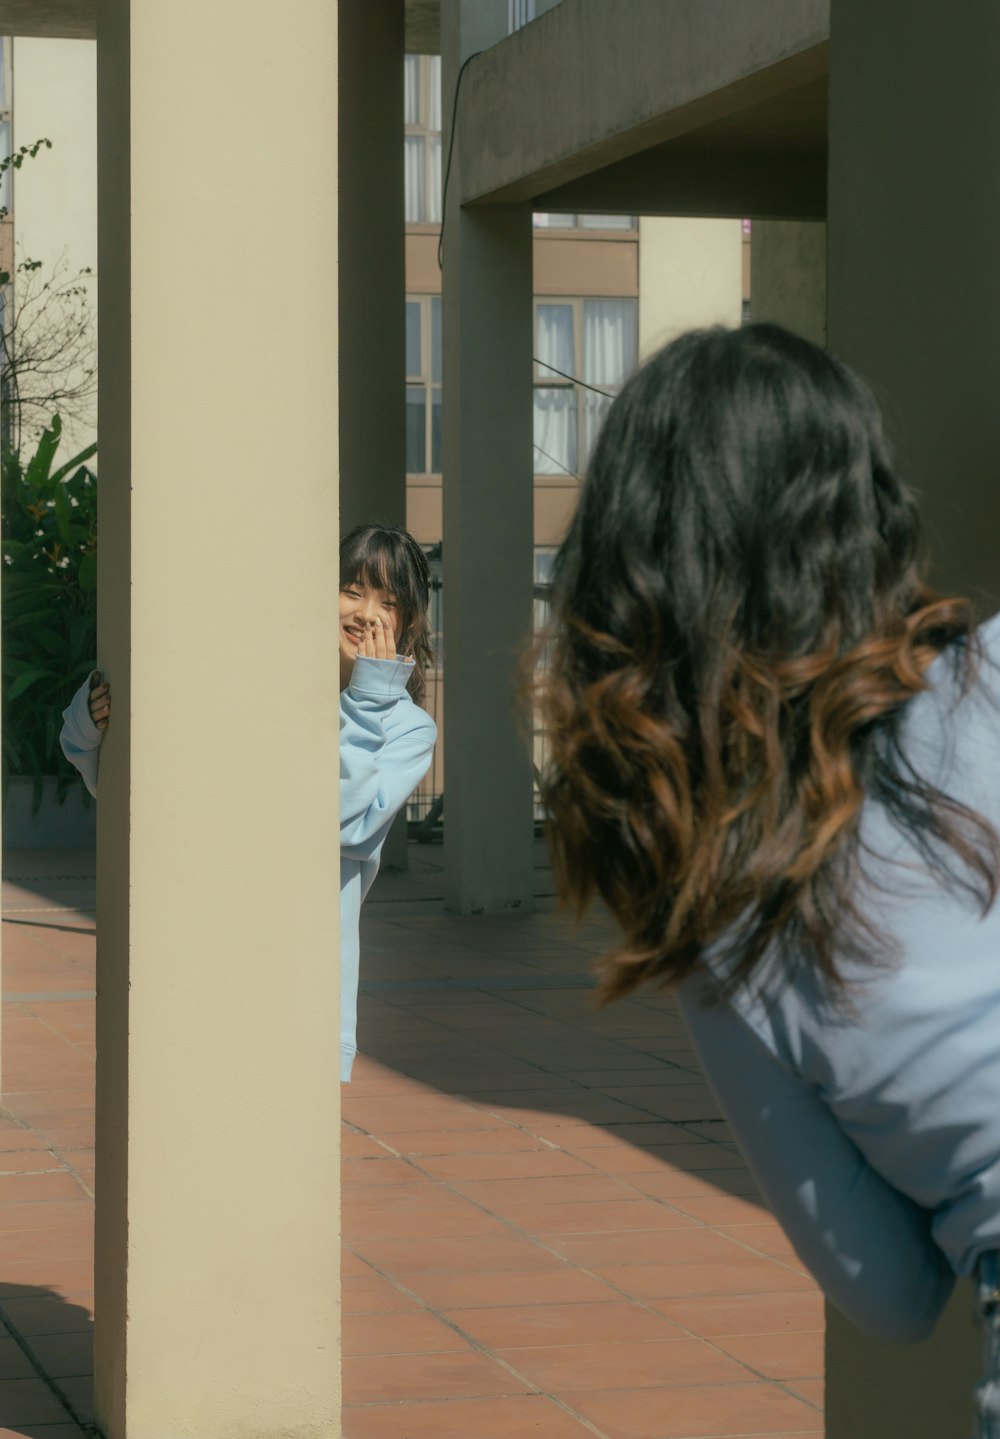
column 775, row 754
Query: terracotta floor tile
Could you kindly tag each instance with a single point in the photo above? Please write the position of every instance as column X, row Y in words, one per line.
column 14, row 1137
column 651, row 1132
column 413, row 1377
column 410, row 1333
column 679, row 1413
column 649, row 1246
column 811, row 1391
column 379, row 1171
column 722, row 1209
column 505, row 1139
column 28, row 1188
column 779, row 1356
column 64, row 1356
column 557, row 1220
column 665, row 1281
column 678, row 1185
column 650, row 1160
column 556, row 1369
column 736, row 1314
column 526, row 1164
column 456, row 1256
column 361, row 1146
column 508, row 1418
column 457, row 1221
column 497, row 1290
column 28, row 1161
column 29, row 1401
column 769, row 1239
column 35, row 1316
column 371, row 1294
column 523, row 1326
column 503, row 1195
column 14, row 1363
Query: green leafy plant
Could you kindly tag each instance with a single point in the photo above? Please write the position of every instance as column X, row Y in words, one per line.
column 49, row 610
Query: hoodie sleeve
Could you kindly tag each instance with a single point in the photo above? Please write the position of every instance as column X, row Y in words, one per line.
column 386, row 746
column 80, row 738
column 869, row 1247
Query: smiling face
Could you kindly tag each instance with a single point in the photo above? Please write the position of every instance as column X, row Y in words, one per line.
column 360, row 604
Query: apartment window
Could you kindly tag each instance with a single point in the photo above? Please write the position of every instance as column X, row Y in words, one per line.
column 520, row 12
column 422, row 140
column 423, row 385
column 578, row 339
column 542, row 220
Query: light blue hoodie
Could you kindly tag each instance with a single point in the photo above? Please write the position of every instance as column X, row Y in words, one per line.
column 874, row 1132
column 386, row 746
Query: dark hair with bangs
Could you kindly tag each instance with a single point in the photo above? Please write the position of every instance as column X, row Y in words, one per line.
column 389, row 559
column 739, row 620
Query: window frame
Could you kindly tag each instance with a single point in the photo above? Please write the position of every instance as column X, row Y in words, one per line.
column 543, row 378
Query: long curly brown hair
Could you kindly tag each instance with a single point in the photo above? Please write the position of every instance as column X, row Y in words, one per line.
column 738, row 623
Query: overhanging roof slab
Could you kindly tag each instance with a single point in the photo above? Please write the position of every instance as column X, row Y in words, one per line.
column 50, row 19
column 594, row 82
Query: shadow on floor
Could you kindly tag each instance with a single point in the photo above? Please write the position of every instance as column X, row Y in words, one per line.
column 46, row 1362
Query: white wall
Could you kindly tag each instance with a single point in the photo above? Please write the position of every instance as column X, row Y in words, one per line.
column 690, row 274
column 54, row 198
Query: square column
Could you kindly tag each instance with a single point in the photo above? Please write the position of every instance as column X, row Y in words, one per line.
column 488, row 518
column 218, row 1094
column 914, row 305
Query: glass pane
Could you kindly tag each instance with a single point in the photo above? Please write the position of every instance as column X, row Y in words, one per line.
column 555, row 430
column 607, row 222
column 554, row 339
column 435, row 432
column 543, row 220
column 436, row 338
column 3, row 71
column 416, row 430
column 413, row 162
column 434, row 182
column 609, row 341
column 413, row 366
column 411, row 90
column 434, row 92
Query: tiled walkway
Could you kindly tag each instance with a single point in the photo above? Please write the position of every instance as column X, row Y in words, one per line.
column 547, row 1231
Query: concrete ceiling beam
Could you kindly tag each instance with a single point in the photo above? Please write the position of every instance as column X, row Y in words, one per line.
column 549, row 104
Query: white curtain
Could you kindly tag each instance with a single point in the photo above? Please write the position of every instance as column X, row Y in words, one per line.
column 434, row 182
column 555, row 430
column 554, row 339
column 434, row 92
column 415, row 199
column 609, row 353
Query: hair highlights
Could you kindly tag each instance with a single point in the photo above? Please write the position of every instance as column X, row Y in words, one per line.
column 739, row 622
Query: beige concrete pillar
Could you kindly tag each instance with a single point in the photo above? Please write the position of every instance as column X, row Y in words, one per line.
column 914, row 304
column 372, row 281
column 217, row 1224
column 788, row 275
column 488, row 518
column 903, row 1391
